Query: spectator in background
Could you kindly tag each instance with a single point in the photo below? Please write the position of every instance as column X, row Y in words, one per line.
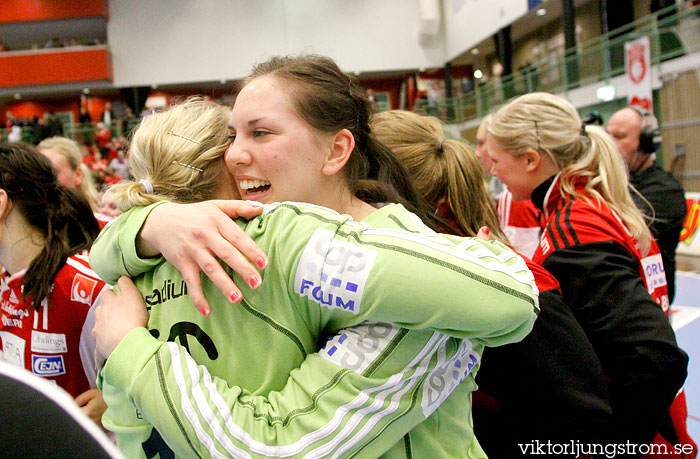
column 84, row 117
column 496, row 187
column 109, row 206
column 15, row 134
column 54, row 125
column 120, row 165
column 66, row 158
column 102, row 137
column 54, row 43
column 86, row 128
column 661, row 198
column 107, row 115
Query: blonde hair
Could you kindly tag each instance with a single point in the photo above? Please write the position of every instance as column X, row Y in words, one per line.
column 70, row 150
column 551, row 125
column 439, row 167
column 179, row 151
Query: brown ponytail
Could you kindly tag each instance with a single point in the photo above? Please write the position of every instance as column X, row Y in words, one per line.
column 63, row 216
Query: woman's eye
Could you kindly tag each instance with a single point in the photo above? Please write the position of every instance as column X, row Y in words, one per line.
column 259, row 133
column 231, row 137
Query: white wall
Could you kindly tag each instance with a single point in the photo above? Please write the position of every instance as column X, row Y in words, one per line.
column 468, row 22
column 177, row 41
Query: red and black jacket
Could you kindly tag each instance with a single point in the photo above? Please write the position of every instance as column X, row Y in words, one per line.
column 615, row 294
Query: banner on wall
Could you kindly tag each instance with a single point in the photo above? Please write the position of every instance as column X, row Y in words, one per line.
column 690, row 240
column 638, row 71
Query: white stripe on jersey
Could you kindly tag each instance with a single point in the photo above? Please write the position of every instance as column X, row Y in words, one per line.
column 476, row 253
column 82, row 268
column 45, row 307
column 187, row 406
column 436, row 342
column 83, row 256
column 396, row 384
column 504, row 202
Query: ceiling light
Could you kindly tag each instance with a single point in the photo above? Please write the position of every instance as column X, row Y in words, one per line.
column 475, row 51
column 222, row 81
column 541, row 12
column 18, row 95
column 478, row 74
column 606, row 93
column 86, row 90
column 154, row 86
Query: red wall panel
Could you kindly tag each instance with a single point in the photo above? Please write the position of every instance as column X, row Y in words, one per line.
column 49, row 67
column 43, row 10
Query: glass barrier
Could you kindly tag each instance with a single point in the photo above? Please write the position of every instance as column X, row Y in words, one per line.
column 672, row 34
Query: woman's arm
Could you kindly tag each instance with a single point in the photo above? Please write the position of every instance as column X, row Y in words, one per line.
column 629, row 332
column 156, row 391
column 190, row 236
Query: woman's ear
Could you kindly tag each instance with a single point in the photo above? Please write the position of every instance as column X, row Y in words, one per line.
column 78, row 176
column 533, row 160
column 341, row 146
column 5, row 204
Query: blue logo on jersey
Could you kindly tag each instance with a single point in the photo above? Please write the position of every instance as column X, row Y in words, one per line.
column 48, row 365
column 317, row 293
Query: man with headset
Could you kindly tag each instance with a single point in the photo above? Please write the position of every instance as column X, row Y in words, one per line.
column 638, row 138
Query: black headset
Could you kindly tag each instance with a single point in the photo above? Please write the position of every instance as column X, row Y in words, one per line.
column 649, row 137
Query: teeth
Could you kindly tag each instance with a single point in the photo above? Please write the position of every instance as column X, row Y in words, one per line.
column 248, row 184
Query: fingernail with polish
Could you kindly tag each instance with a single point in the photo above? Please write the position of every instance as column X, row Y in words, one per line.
column 255, row 282
column 487, row 230
column 235, row 297
column 261, row 263
column 204, row 311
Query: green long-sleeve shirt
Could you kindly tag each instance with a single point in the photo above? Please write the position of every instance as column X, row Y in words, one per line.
column 404, row 315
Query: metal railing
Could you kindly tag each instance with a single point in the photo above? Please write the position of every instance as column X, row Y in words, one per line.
column 83, row 133
column 672, row 34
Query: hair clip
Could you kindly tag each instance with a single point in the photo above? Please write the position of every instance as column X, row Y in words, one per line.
column 183, row 137
column 537, row 133
column 187, row 165
column 583, row 129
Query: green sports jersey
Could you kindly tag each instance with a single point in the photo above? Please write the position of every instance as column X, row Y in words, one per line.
column 401, row 316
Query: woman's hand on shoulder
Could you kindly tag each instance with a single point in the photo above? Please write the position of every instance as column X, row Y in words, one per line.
column 116, row 316
column 192, row 236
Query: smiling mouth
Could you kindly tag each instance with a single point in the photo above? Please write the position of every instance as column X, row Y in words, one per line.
column 254, row 186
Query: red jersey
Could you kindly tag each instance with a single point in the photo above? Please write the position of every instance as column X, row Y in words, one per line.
column 589, row 225
column 54, row 342
column 520, row 221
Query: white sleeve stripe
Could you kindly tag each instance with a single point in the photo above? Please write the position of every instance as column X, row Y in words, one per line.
column 517, row 271
column 365, row 430
column 392, row 385
column 185, row 401
column 436, row 342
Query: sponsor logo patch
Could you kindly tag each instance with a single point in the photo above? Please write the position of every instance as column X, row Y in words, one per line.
column 447, row 376
column 12, row 348
column 355, row 348
column 654, row 271
column 49, row 343
column 82, row 289
column 44, row 365
column 333, row 273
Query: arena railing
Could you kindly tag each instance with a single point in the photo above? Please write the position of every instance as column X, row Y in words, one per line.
column 672, row 34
